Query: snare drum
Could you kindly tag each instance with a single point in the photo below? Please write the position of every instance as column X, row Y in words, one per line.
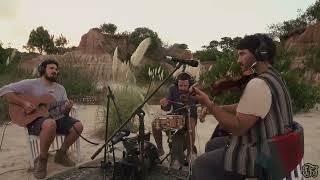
column 169, row 122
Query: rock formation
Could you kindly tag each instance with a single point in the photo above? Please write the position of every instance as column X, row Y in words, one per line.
column 300, row 43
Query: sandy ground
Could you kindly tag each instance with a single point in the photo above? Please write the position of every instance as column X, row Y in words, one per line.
column 14, row 163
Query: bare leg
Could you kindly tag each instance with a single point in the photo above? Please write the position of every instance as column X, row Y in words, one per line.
column 47, row 135
column 72, row 136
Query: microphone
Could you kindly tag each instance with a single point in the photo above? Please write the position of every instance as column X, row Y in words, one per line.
column 190, row 62
column 119, row 136
column 250, row 67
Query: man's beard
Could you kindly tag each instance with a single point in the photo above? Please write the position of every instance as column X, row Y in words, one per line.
column 183, row 91
column 52, row 79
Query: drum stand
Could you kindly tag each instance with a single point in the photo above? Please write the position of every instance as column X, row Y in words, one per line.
column 190, row 142
column 170, row 135
column 188, row 107
column 141, row 114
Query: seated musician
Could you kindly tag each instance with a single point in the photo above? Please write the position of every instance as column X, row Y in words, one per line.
column 175, row 101
column 263, row 112
column 46, row 127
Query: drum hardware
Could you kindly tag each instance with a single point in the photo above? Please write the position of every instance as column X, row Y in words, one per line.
column 190, row 141
column 172, row 123
column 140, row 113
column 175, row 102
column 169, row 122
column 170, row 134
column 188, row 108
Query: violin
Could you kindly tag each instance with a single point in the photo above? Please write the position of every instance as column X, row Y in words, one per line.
column 227, row 84
column 230, row 84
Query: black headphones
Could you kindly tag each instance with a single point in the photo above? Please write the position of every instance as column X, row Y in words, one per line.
column 43, row 65
column 262, row 52
column 42, row 68
column 187, row 76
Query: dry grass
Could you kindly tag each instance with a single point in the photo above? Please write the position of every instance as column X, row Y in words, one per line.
column 127, row 99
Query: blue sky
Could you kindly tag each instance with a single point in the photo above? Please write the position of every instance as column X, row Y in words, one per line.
column 194, row 22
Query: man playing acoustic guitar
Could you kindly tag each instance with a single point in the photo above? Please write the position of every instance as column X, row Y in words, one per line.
column 55, row 122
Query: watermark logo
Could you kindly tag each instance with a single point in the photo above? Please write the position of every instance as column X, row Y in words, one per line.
column 310, row 170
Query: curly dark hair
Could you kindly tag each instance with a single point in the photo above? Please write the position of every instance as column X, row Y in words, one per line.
column 43, row 65
column 253, row 42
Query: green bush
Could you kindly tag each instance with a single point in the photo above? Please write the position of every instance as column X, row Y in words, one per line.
column 77, row 82
column 206, row 55
column 313, row 59
column 283, row 59
column 225, row 65
column 8, row 54
column 108, row 28
column 287, row 28
column 9, row 74
column 303, row 95
column 128, row 97
column 155, row 49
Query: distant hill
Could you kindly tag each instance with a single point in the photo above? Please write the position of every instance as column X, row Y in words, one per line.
column 95, row 53
column 301, row 42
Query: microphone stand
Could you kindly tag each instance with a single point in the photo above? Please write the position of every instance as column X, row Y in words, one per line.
column 141, row 115
column 188, row 107
column 190, row 141
column 114, row 103
column 106, row 163
column 138, row 111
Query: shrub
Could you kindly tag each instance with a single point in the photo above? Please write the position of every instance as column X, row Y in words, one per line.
column 155, row 49
column 108, row 28
column 206, row 55
column 127, row 98
column 77, row 82
column 8, row 74
column 225, row 65
column 303, row 95
column 313, row 59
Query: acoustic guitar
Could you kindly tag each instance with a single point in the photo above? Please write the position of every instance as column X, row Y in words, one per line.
column 46, row 106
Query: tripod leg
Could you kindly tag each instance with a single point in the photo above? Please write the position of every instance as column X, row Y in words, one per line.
column 104, row 175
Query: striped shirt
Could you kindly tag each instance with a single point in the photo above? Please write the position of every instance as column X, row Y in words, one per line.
column 242, row 151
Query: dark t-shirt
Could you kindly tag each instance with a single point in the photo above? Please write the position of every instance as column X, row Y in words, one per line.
column 175, row 95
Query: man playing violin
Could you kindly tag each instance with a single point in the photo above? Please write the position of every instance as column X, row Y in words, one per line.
column 178, row 97
column 46, row 127
column 263, row 112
